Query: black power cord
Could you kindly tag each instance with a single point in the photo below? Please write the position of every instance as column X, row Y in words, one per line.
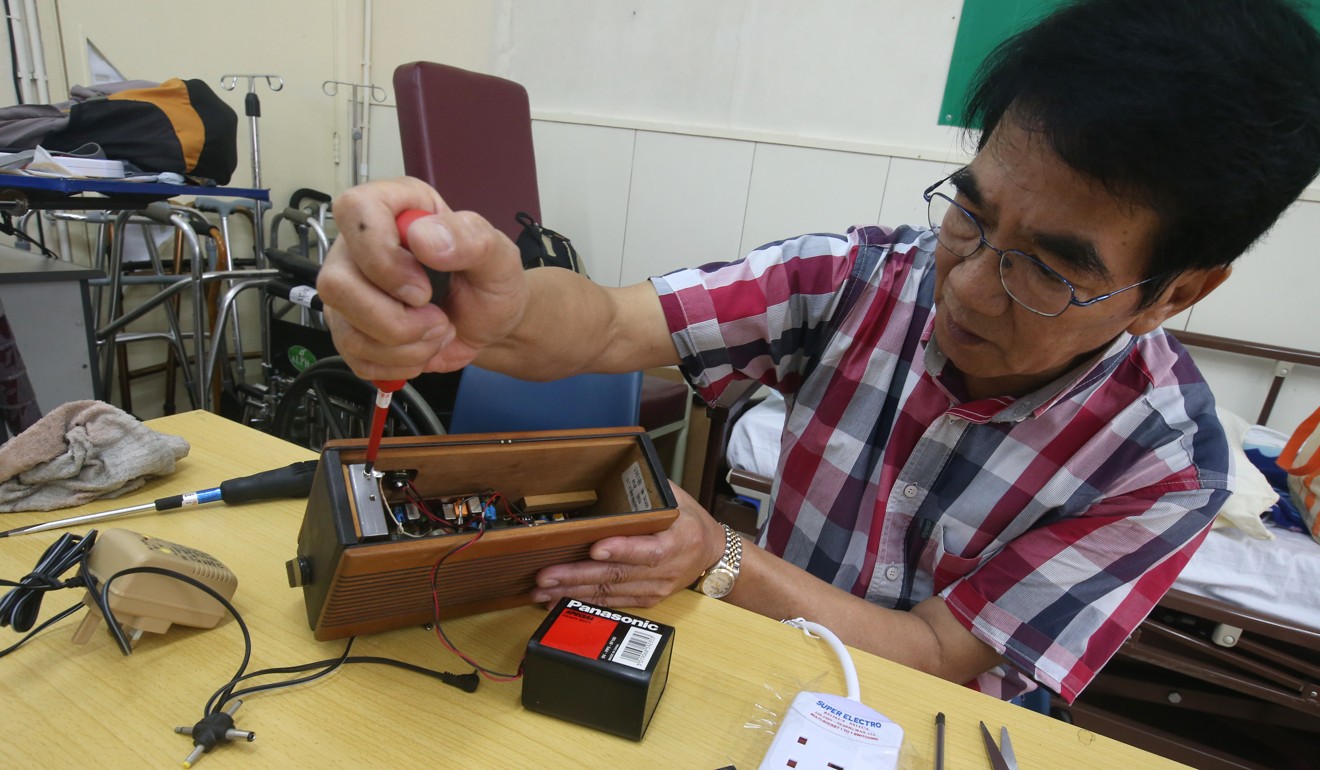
column 8, row 228
column 52, row 621
column 21, row 606
column 216, row 727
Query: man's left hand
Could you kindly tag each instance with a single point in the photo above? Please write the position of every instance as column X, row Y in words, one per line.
column 641, row 570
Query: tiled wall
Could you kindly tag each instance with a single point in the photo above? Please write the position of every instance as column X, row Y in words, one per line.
column 637, row 202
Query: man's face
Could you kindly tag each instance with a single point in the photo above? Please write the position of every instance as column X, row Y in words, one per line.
column 1028, row 199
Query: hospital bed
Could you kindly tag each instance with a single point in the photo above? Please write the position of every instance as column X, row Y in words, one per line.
column 1224, row 673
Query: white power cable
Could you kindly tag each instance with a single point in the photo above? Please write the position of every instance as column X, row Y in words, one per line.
column 845, row 659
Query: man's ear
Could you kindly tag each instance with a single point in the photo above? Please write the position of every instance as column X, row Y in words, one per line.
column 1183, row 292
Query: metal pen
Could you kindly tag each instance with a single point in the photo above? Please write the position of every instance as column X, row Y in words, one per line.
column 939, row 741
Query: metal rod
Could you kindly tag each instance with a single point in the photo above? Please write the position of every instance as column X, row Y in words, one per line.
column 58, row 523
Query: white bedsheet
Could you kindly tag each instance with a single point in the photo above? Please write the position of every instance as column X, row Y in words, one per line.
column 754, row 439
column 1276, row 578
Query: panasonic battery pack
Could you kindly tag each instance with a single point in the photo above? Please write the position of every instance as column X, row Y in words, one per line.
column 597, row 667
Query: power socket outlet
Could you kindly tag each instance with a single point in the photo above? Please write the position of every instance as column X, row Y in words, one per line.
column 830, row 732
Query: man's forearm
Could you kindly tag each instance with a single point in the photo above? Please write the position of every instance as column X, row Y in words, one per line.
column 572, row 325
column 928, row 638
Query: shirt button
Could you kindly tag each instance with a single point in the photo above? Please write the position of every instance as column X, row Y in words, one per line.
column 910, row 490
column 892, row 573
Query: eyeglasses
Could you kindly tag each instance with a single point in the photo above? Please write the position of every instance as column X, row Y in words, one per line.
column 1031, row 283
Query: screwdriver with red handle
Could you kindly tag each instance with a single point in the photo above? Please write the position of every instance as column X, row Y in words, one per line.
column 385, row 389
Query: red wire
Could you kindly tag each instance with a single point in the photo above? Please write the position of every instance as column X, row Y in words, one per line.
column 494, row 676
column 507, row 508
column 415, row 497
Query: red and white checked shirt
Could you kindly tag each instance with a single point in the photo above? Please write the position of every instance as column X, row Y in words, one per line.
column 1050, row 523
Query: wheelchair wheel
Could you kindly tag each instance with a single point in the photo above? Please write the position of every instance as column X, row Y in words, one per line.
column 327, row 401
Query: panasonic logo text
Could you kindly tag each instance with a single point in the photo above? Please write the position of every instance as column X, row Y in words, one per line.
column 574, row 604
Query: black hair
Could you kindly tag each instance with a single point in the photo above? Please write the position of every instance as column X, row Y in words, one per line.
column 1206, row 111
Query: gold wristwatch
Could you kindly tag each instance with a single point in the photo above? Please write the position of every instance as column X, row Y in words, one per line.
column 717, row 581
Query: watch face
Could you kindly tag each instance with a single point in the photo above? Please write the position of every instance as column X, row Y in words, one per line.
column 718, row 583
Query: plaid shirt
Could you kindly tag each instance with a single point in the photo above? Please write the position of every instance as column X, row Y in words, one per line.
column 1050, row 523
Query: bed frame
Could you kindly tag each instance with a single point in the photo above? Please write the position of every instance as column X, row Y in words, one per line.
column 1202, row 682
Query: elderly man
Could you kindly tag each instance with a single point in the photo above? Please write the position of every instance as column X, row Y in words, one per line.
column 995, row 461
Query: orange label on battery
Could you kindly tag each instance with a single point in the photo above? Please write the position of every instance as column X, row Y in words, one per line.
column 579, row 633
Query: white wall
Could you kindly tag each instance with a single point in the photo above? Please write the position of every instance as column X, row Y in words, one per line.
column 676, row 133
column 861, row 71
column 668, row 132
column 304, row 132
column 641, row 202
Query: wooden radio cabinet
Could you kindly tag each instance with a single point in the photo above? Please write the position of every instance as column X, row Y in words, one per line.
column 456, row 525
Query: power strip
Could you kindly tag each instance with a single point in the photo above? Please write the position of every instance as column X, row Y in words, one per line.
column 831, row 732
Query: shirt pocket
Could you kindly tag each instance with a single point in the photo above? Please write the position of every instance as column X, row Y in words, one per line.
column 947, row 563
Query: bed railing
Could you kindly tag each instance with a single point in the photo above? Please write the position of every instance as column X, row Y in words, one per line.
column 1284, row 359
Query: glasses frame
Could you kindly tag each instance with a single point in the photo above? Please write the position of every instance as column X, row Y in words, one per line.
column 930, row 194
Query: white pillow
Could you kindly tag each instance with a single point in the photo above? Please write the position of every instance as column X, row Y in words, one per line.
column 1252, row 493
column 755, row 441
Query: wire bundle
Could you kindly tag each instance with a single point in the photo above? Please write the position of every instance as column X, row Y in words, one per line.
column 21, row 606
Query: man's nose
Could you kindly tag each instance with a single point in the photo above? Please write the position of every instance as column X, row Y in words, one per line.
column 975, row 280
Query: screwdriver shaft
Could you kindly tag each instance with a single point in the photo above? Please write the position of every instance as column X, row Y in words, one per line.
column 384, row 394
column 69, row 522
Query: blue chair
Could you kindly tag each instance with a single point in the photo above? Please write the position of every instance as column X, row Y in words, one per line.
column 1038, row 700
column 488, row 401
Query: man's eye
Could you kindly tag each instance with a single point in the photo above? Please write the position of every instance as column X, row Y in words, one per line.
column 1041, row 268
column 961, row 223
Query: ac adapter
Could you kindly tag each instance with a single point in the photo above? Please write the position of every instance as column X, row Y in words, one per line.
column 153, row 602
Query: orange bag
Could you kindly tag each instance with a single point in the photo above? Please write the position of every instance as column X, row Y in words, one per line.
column 1301, row 459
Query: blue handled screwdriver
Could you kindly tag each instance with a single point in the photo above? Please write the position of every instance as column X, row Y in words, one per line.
column 290, row 481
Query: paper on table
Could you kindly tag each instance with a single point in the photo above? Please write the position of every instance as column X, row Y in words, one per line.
column 69, row 166
column 13, row 162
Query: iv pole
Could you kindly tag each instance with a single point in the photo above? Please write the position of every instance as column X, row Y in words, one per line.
column 356, row 109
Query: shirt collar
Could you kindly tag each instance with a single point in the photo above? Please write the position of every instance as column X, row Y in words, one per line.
column 1035, row 403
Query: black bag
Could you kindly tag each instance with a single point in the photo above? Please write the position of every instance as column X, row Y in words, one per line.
column 180, row 126
column 543, row 247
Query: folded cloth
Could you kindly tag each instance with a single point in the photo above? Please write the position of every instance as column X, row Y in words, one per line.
column 79, row 452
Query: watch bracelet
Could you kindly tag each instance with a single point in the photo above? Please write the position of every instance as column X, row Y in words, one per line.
column 732, row 556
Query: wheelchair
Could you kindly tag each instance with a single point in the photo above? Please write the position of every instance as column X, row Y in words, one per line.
column 307, row 394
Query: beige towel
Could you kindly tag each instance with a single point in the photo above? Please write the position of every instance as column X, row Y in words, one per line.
column 79, row 452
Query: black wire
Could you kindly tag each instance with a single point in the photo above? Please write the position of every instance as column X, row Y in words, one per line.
column 227, row 692
column 13, row 54
column 7, row 227
column 47, row 624
column 463, row 681
column 21, row 606
column 493, row 675
column 127, row 648
column 443, row 676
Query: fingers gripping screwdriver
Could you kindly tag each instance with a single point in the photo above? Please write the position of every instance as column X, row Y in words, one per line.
column 385, row 389
column 290, row 481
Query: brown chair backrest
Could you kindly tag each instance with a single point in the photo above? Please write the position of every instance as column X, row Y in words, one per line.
column 469, row 136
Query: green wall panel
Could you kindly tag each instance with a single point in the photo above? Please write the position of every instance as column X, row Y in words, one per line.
column 983, row 25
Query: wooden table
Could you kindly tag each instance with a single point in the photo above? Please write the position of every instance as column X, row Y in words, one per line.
column 78, row 706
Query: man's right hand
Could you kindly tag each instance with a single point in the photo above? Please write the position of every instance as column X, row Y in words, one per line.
column 378, row 296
